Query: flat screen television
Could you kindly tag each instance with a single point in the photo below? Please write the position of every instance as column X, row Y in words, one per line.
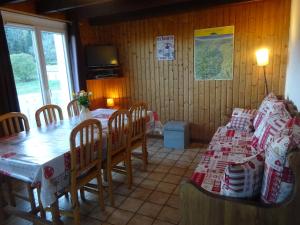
column 101, row 56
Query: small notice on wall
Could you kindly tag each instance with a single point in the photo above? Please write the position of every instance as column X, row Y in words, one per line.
column 165, row 47
column 213, row 53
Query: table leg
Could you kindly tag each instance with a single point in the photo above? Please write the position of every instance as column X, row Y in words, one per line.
column 55, row 214
column 3, row 203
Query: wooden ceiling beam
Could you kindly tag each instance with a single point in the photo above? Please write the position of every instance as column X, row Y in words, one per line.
column 51, row 6
column 133, row 12
column 2, row 2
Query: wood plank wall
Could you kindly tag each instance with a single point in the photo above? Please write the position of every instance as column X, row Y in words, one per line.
column 169, row 86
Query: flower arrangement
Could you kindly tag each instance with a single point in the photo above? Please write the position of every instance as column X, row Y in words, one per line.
column 83, row 98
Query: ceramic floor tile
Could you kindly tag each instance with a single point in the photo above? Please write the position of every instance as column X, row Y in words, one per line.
column 159, row 222
column 131, row 204
column 140, row 220
column 177, row 171
column 120, row 217
column 166, row 187
column 150, row 209
column 171, row 178
column 102, row 215
column 149, row 184
column 158, row 176
column 174, row 201
column 140, row 193
column 169, row 214
column 117, row 198
column 158, row 197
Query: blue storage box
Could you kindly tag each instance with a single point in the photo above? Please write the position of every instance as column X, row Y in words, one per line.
column 176, row 135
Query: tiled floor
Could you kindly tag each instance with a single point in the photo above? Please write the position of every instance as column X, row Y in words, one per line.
column 154, row 197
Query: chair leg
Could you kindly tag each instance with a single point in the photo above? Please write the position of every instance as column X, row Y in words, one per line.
column 55, row 213
column 75, row 206
column 82, row 194
column 3, row 203
column 145, row 153
column 11, row 196
column 31, row 198
column 100, row 191
column 110, row 187
column 41, row 208
column 128, row 170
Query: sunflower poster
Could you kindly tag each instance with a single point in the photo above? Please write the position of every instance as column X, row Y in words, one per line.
column 213, row 53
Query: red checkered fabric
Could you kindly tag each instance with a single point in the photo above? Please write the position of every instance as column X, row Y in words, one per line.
column 278, row 180
column 275, row 124
column 210, row 169
column 243, row 180
column 234, row 141
column 242, row 119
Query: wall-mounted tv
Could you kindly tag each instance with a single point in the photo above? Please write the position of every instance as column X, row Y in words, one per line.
column 101, row 56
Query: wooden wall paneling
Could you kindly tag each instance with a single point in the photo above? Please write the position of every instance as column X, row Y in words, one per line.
column 229, row 19
column 185, row 68
column 249, row 59
column 171, row 65
column 254, row 82
column 165, row 74
column 155, row 24
column 179, row 54
column 170, row 88
column 190, row 46
column 175, row 70
column 284, row 44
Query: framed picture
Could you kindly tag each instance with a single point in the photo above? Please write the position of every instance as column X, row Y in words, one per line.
column 213, row 53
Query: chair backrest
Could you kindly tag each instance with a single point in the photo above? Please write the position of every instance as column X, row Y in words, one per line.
column 50, row 114
column 86, row 147
column 14, row 122
column 73, row 108
column 138, row 113
column 119, row 132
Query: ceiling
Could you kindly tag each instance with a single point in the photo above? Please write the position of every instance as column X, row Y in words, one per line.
column 110, row 11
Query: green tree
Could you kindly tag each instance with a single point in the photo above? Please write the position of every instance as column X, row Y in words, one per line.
column 24, row 67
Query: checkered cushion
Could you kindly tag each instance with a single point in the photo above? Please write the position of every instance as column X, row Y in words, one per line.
column 263, row 109
column 278, row 180
column 210, row 169
column 243, row 180
column 242, row 119
column 273, row 126
column 234, row 141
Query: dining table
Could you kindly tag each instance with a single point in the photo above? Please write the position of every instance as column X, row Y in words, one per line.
column 42, row 157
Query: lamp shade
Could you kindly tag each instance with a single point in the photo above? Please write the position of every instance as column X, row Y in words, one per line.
column 110, row 102
column 262, row 57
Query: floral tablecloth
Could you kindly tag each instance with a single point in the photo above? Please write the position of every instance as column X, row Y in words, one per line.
column 41, row 156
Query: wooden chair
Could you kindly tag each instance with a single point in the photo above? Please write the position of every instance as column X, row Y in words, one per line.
column 73, row 108
column 138, row 115
column 119, row 134
column 49, row 112
column 13, row 123
column 85, row 139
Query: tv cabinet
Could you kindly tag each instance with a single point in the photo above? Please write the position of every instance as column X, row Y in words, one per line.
column 104, row 72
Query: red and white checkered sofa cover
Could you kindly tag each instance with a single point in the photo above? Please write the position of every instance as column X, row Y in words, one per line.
column 230, row 151
column 227, row 146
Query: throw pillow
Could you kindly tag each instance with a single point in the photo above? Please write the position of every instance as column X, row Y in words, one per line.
column 242, row 119
column 278, row 178
column 263, row 109
column 273, row 123
column 294, row 131
column 243, row 180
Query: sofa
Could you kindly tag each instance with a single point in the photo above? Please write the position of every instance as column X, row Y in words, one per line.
column 248, row 173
